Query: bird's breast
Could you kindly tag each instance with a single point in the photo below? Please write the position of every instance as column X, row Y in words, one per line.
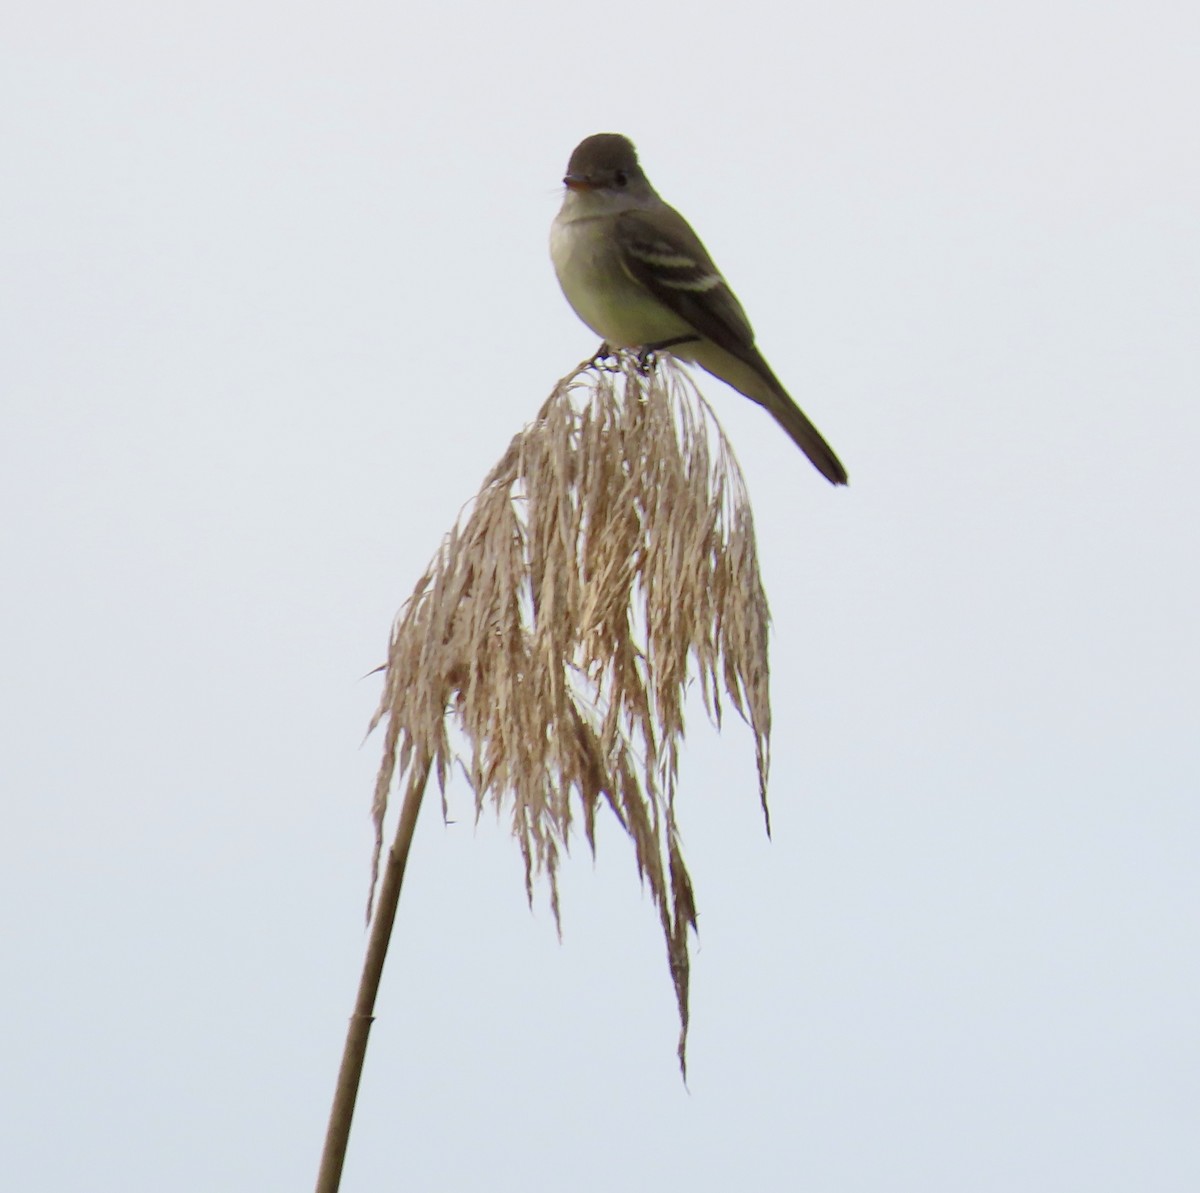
column 613, row 304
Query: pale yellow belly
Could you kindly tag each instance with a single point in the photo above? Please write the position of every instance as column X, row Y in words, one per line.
column 613, row 304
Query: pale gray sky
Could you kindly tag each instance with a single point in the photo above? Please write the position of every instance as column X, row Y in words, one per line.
column 276, row 295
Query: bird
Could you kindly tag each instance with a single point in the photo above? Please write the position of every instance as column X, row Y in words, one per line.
column 634, row 271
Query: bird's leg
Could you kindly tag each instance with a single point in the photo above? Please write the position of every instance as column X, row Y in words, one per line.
column 647, row 352
column 605, row 358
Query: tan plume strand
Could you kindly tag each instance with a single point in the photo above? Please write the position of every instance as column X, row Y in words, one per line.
column 608, row 558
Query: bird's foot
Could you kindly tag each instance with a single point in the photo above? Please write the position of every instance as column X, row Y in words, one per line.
column 648, row 353
column 605, row 358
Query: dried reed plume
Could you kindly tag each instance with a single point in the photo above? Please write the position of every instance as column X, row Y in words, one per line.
column 609, row 553
column 608, row 557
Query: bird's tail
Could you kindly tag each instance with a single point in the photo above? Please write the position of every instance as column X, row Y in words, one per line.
column 755, row 379
column 805, row 436
column 750, row 374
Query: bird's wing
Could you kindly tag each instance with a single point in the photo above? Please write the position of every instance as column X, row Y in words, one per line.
column 660, row 250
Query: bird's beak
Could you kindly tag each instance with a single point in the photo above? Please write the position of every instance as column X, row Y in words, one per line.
column 578, row 182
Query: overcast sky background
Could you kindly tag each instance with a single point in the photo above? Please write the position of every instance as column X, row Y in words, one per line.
column 276, row 294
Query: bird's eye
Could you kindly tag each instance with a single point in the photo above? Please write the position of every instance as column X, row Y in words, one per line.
column 620, row 178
